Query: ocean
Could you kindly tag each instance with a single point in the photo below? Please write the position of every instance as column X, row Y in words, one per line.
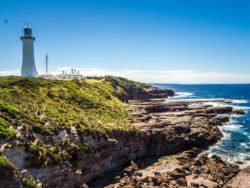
column 235, row 145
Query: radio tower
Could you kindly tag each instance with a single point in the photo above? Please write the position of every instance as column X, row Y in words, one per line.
column 47, row 63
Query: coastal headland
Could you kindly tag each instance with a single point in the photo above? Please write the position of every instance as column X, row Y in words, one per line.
column 109, row 132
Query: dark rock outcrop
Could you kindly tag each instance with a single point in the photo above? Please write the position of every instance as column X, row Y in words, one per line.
column 239, row 111
column 154, row 92
column 135, row 90
column 220, row 110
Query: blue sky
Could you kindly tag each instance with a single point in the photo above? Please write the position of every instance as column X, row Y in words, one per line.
column 171, row 41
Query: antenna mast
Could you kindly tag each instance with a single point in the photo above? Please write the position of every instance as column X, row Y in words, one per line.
column 47, row 63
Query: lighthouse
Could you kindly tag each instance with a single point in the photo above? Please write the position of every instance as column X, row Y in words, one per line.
column 28, row 64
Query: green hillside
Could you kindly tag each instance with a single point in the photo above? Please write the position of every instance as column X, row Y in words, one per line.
column 46, row 106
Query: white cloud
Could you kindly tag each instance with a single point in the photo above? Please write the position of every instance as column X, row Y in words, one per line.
column 166, row 76
column 158, row 76
column 10, row 73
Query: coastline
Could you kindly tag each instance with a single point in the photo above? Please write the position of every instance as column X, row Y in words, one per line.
column 232, row 124
column 158, row 137
column 190, row 177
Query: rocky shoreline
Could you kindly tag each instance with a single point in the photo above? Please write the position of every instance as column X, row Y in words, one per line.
column 175, row 127
column 197, row 125
column 186, row 169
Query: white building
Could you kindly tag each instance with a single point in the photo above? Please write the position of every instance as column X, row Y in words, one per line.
column 73, row 75
column 47, row 76
column 28, row 64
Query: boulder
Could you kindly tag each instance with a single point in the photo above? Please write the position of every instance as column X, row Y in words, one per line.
column 238, row 111
column 241, row 180
column 220, row 110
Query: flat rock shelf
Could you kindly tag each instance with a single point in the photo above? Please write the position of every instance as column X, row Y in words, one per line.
column 177, row 129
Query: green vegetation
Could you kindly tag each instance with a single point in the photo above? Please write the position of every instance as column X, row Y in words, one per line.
column 28, row 183
column 36, row 105
column 86, row 148
column 125, row 83
column 48, row 155
column 5, row 131
column 127, row 89
column 46, row 106
column 6, row 169
column 6, row 107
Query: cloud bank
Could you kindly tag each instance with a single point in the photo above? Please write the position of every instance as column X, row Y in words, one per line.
column 10, row 73
column 166, row 76
column 159, row 76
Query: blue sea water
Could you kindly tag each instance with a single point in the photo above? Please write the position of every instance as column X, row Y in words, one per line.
column 235, row 145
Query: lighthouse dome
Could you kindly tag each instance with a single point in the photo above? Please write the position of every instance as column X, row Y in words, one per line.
column 27, row 31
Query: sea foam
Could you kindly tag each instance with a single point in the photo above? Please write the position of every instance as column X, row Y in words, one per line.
column 239, row 101
column 182, row 95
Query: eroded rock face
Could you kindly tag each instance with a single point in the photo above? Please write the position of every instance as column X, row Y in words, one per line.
column 179, row 123
column 174, row 128
column 17, row 155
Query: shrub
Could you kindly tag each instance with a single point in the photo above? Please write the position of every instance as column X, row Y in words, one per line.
column 6, row 107
column 28, row 183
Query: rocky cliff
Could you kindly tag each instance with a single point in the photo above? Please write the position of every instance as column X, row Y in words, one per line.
column 50, row 130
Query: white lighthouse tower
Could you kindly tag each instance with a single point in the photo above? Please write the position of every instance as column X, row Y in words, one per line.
column 28, row 65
